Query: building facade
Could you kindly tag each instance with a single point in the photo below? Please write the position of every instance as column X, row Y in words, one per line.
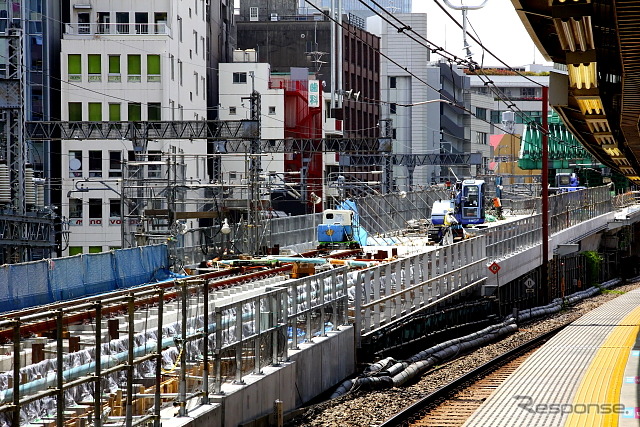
column 357, row 6
column 131, row 61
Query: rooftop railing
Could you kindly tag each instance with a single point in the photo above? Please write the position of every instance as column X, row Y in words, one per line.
column 99, row 28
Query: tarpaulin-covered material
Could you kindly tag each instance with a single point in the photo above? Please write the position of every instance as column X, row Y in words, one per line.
column 42, row 282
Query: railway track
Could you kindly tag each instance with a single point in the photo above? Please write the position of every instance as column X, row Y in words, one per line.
column 455, row 402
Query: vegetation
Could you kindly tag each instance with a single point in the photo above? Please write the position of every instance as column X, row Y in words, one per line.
column 593, row 262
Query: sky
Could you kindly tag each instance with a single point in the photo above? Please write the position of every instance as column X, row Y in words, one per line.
column 497, row 26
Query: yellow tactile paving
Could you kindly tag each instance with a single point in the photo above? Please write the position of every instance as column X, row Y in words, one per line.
column 599, row 391
column 542, row 391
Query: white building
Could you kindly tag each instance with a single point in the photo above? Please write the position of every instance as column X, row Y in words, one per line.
column 127, row 60
column 525, row 93
column 237, row 81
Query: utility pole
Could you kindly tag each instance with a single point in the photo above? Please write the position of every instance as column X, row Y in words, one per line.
column 254, row 171
column 545, row 193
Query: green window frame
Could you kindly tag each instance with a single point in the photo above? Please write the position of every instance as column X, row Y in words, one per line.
column 134, row 112
column 115, row 112
column 153, row 68
column 75, row 111
column 74, row 63
column 95, row 111
column 74, row 67
column 114, row 64
column 75, row 250
column 94, row 63
column 153, row 64
column 154, row 111
column 114, row 69
column 134, row 68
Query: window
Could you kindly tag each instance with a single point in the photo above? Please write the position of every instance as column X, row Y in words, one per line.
column 160, row 19
column 528, row 92
column 481, row 138
column 114, row 208
column 104, row 18
column 272, row 109
column 153, row 68
column 75, row 164
column 135, row 112
column 253, row 14
column 195, row 40
column 134, row 68
column 75, row 208
column 142, row 22
column 114, row 69
column 115, row 164
column 481, row 113
column 95, row 67
column 232, row 111
column 95, row 111
column 154, row 112
column 95, row 249
column 75, row 250
column 392, row 108
column 122, row 22
column 75, row 111
column 74, row 67
column 154, row 171
column 173, row 67
column 197, row 81
column 84, row 27
column 114, row 113
column 394, row 134
column 95, row 164
column 392, row 82
column 180, row 71
column 95, row 209
column 240, row 77
column 179, row 28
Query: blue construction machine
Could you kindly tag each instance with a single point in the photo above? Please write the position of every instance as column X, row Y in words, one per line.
column 337, row 230
column 465, row 208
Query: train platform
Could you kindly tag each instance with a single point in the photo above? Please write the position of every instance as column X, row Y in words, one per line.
column 586, row 375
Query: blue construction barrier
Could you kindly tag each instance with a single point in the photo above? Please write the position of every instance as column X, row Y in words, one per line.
column 59, row 279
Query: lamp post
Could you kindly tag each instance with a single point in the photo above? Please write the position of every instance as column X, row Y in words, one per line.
column 315, row 200
column 225, row 229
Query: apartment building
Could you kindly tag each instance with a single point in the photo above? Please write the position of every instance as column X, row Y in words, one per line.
column 126, row 60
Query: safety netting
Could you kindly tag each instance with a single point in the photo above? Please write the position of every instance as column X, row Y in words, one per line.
column 59, row 279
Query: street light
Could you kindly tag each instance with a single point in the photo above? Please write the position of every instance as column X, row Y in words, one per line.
column 225, row 229
column 315, row 200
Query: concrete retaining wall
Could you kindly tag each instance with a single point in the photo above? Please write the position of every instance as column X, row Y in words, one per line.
column 310, row 371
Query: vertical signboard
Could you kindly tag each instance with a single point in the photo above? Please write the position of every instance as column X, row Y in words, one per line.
column 314, row 93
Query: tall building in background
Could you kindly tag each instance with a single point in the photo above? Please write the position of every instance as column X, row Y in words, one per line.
column 356, row 6
column 29, row 90
column 132, row 61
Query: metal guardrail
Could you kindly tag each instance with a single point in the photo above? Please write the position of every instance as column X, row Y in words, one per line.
column 389, row 292
column 169, row 341
column 566, row 210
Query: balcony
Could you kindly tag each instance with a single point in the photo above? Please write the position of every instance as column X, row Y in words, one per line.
column 127, row 29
